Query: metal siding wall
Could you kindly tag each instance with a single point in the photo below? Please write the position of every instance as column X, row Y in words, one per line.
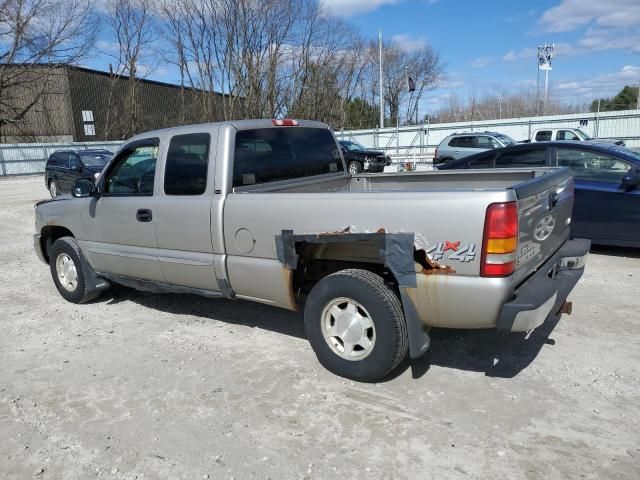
column 624, row 125
column 30, row 158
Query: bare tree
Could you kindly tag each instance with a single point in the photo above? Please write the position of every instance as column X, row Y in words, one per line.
column 424, row 67
column 37, row 38
column 130, row 21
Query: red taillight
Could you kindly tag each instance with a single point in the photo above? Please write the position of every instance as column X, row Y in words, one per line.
column 500, row 241
column 285, row 122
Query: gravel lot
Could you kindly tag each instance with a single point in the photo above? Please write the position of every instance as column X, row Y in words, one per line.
column 136, row 385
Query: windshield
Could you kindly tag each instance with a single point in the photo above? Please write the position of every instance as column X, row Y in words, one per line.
column 582, row 135
column 96, row 160
column 352, row 145
column 506, row 139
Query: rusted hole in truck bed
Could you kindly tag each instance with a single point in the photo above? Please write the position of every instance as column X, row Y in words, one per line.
column 430, row 267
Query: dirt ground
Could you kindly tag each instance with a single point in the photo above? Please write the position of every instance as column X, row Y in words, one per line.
column 136, row 385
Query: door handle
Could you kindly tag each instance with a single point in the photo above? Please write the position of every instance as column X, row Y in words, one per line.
column 144, row 215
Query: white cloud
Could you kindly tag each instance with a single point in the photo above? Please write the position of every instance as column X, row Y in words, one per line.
column 347, row 8
column 573, row 14
column 450, row 84
column 409, row 43
column 481, row 62
column 600, row 86
column 525, row 53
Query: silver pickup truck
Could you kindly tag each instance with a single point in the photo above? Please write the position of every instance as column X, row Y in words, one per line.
column 265, row 211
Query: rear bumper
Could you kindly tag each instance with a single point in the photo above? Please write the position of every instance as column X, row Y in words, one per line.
column 544, row 293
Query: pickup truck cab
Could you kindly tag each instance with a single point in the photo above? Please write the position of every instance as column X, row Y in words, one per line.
column 265, row 211
column 572, row 134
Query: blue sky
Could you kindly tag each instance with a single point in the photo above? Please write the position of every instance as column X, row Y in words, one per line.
column 490, row 46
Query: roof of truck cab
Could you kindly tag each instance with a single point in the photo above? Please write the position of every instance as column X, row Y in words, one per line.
column 238, row 124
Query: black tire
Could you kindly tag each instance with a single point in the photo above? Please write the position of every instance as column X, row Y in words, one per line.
column 81, row 293
column 385, row 310
column 54, row 189
column 354, row 167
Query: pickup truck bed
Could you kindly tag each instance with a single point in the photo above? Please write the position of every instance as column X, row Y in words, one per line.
column 267, row 213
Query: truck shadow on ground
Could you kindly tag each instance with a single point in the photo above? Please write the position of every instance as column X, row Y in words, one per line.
column 232, row 312
column 473, row 350
column 497, row 355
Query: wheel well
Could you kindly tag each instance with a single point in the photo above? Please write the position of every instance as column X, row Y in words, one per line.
column 49, row 235
column 318, row 260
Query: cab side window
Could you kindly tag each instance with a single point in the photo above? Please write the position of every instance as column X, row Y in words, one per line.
column 133, row 172
column 543, row 136
column 590, row 165
column 566, row 135
column 186, row 166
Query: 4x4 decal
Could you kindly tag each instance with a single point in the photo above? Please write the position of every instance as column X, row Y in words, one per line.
column 464, row 253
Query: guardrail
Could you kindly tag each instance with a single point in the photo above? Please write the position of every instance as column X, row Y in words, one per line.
column 30, row 158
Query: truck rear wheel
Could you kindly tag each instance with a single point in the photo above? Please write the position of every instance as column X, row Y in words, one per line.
column 67, row 272
column 355, row 325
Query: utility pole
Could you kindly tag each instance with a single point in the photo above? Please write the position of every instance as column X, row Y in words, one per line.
column 381, row 88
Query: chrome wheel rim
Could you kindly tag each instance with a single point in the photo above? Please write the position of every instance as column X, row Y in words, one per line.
column 353, row 168
column 348, row 329
column 53, row 189
column 67, row 272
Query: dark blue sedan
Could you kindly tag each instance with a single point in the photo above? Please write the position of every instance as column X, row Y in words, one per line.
column 607, row 184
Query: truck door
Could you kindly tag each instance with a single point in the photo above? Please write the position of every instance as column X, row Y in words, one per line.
column 120, row 237
column 183, row 212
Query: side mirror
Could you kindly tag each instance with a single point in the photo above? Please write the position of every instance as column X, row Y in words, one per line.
column 76, row 168
column 630, row 181
column 83, row 187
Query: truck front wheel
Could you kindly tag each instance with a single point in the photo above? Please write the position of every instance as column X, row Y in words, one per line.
column 67, row 272
column 355, row 325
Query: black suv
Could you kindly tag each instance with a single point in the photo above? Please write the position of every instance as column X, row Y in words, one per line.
column 64, row 167
column 359, row 158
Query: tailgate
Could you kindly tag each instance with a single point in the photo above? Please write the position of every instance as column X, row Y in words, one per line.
column 544, row 212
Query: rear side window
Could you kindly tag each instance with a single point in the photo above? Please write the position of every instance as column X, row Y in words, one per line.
column 453, row 142
column 522, row 158
column 271, row 154
column 466, row 142
column 543, row 136
column 187, row 161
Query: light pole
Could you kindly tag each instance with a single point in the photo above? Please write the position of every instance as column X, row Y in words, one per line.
column 381, row 88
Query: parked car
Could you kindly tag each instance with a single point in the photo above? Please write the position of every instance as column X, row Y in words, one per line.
column 607, row 184
column 573, row 134
column 274, row 217
column 460, row 145
column 361, row 159
column 64, row 167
